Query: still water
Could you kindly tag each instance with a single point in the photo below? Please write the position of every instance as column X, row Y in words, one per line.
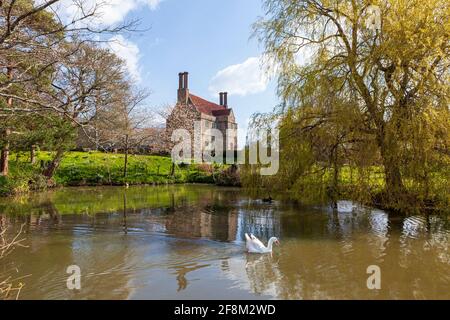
column 187, row 242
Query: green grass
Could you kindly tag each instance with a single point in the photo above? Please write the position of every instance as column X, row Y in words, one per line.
column 97, row 168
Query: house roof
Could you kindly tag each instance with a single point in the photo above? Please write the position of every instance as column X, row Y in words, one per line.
column 208, row 107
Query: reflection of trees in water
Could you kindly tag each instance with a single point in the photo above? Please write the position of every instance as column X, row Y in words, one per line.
column 261, row 220
column 42, row 217
column 125, row 225
column 106, row 273
column 349, row 222
column 47, row 258
column 418, row 249
column 332, row 268
column 202, row 222
column 264, row 273
column 323, row 254
column 183, row 270
column 209, row 217
column 439, row 236
column 49, row 254
column 301, row 276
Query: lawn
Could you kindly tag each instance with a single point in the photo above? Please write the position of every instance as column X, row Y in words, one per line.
column 97, row 168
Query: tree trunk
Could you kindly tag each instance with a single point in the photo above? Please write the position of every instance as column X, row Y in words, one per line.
column 125, row 167
column 33, row 154
column 395, row 189
column 394, row 183
column 50, row 170
column 4, row 159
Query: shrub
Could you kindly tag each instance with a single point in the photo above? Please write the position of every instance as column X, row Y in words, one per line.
column 229, row 177
column 199, row 177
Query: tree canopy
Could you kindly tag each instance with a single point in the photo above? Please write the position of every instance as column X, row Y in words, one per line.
column 365, row 85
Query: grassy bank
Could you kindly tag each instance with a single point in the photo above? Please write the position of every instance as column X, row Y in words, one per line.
column 97, row 168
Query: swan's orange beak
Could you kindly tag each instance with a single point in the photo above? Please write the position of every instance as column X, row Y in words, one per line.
column 277, row 242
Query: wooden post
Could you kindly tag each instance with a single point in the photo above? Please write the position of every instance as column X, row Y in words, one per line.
column 125, row 167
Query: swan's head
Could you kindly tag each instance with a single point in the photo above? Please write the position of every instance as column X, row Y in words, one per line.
column 275, row 240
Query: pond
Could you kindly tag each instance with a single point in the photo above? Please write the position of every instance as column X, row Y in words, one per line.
column 187, row 242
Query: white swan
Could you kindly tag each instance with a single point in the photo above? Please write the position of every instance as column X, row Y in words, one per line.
column 254, row 245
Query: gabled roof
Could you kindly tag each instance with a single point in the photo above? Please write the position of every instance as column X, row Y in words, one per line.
column 208, row 107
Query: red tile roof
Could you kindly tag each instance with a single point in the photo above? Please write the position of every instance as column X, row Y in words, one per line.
column 208, row 107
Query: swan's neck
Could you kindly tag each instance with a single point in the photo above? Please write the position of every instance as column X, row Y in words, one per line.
column 270, row 244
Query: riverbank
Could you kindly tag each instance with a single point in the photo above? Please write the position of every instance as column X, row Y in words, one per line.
column 98, row 168
column 107, row 169
column 367, row 187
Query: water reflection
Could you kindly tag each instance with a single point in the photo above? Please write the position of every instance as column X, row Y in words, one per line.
column 186, row 242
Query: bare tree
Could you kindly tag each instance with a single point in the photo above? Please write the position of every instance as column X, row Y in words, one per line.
column 84, row 84
column 33, row 38
column 133, row 117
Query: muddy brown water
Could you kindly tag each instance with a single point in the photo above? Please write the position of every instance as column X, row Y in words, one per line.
column 187, row 242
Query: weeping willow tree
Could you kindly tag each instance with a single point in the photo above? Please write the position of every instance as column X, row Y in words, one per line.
column 371, row 105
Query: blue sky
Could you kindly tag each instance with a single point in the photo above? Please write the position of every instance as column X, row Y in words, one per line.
column 208, row 38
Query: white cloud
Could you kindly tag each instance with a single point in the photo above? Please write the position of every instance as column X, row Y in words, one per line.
column 115, row 11
column 129, row 52
column 241, row 79
column 153, row 4
column 107, row 12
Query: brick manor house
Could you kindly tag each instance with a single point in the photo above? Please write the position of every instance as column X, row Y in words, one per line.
column 191, row 108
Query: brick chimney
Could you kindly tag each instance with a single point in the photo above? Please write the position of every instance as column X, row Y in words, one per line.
column 183, row 87
column 225, row 99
